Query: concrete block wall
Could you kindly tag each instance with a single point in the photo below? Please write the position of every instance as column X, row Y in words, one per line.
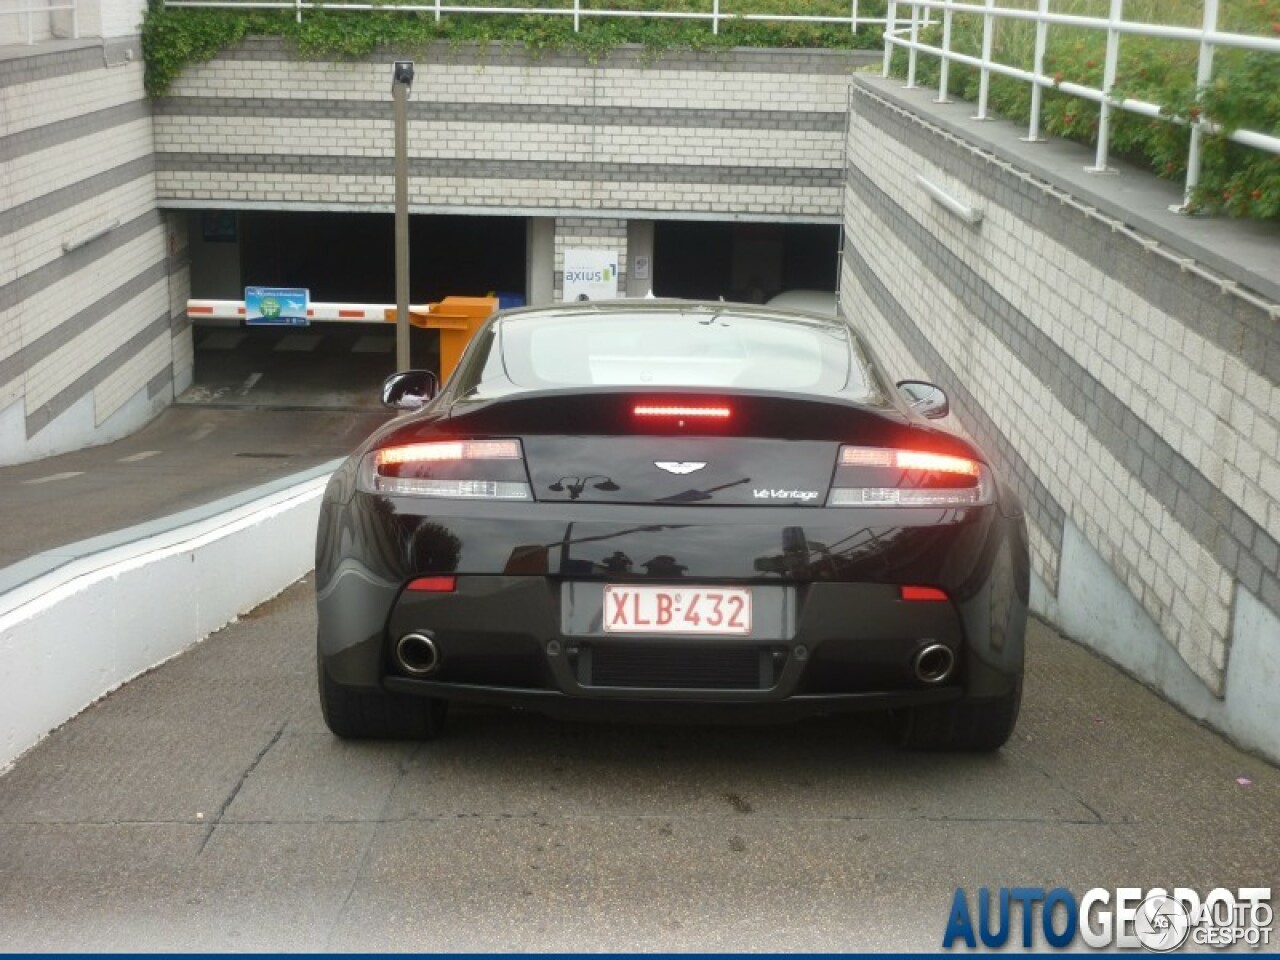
column 1133, row 404
column 91, row 271
column 755, row 132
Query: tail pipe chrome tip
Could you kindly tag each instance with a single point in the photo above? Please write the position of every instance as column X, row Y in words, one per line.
column 933, row 663
column 416, row 654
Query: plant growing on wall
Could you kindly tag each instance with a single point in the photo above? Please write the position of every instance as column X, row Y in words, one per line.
column 1245, row 93
column 174, row 38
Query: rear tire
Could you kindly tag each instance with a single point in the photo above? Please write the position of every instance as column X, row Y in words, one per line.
column 972, row 726
column 356, row 714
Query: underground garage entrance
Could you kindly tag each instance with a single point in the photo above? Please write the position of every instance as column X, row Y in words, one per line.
column 339, row 258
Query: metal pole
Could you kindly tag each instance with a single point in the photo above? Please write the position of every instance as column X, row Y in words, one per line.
column 944, row 68
column 890, row 27
column 400, row 94
column 1108, row 81
column 984, row 79
column 853, row 17
column 912, row 50
column 1204, row 73
column 715, row 17
column 1037, row 91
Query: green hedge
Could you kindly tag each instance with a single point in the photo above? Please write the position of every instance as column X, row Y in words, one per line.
column 173, row 39
column 1245, row 93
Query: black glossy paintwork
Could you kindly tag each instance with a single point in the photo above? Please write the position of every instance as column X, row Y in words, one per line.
column 617, row 518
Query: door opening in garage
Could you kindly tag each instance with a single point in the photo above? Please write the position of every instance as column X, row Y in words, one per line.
column 747, row 262
column 350, row 257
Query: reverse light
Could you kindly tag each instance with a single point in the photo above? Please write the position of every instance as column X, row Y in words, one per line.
column 713, row 413
column 888, row 477
column 450, row 469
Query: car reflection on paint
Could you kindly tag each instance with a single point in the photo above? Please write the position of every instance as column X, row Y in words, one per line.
column 664, row 509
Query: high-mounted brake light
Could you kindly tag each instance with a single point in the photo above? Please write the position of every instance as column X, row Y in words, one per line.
column 452, row 469
column 923, row 594
column 714, row 413
column 889, row 477
column 434, row 584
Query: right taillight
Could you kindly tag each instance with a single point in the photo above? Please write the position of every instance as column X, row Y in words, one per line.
column 885, row 477
column 451, row 469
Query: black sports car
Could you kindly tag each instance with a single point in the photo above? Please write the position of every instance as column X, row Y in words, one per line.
column 660, row 509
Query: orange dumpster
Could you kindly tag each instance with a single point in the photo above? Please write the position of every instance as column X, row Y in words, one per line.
column 457, row 319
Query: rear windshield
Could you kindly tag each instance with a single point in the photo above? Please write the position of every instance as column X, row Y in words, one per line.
column 696, row 349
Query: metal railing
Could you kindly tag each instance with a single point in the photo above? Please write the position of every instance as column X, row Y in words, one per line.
column 578, row 11
column 903, row 31
column 32, row 10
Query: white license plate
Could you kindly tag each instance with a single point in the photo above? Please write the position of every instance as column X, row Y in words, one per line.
column 722, row 611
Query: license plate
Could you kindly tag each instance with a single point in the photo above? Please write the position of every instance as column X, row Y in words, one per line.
column 721, row 611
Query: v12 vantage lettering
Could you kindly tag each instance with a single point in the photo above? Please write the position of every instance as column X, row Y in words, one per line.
column 669, row 509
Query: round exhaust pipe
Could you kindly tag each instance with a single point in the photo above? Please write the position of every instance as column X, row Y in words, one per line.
column 416, row 654
column 933, row 663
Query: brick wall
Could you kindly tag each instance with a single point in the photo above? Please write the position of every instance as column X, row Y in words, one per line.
column 750, row 132
column 1126, row 398
column 89, row 267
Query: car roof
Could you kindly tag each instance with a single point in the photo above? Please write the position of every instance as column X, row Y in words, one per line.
column 670, row 307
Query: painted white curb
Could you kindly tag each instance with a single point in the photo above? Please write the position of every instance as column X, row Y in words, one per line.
column 73, row 634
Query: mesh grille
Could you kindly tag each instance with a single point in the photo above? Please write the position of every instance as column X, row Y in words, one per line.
column 684, row 668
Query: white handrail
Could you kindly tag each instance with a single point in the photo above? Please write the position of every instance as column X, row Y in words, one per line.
column 902, row 31
column 30, row 10
column 715, row 16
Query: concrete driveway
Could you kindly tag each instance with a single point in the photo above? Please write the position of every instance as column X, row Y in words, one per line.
column 205, row 807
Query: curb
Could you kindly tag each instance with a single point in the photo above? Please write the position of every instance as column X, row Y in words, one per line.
column 79, row 621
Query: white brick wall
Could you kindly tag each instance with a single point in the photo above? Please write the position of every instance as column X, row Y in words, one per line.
column 51, row 180
column 602, row 97
column 1202, row 400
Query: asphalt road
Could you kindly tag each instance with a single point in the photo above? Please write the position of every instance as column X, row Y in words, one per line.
column 188, row 456
column 204, row 806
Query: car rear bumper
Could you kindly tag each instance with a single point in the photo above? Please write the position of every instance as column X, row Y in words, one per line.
column 651, row 707
column 504, row 636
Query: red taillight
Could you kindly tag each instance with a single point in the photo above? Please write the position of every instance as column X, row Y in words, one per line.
column 893, row 477
column 434, row 584
column 443, row 451
column 452, row 469
column 908, row 460
column 690, row 412
column 923, row 594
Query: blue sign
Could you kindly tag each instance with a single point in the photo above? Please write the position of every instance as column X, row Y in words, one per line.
column 276, row 306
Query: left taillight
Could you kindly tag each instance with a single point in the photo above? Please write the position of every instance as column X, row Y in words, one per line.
column 450, row 469
column 885, row 477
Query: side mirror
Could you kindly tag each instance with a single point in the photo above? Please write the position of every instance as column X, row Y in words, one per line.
column 925, row 398
column 409, row 389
